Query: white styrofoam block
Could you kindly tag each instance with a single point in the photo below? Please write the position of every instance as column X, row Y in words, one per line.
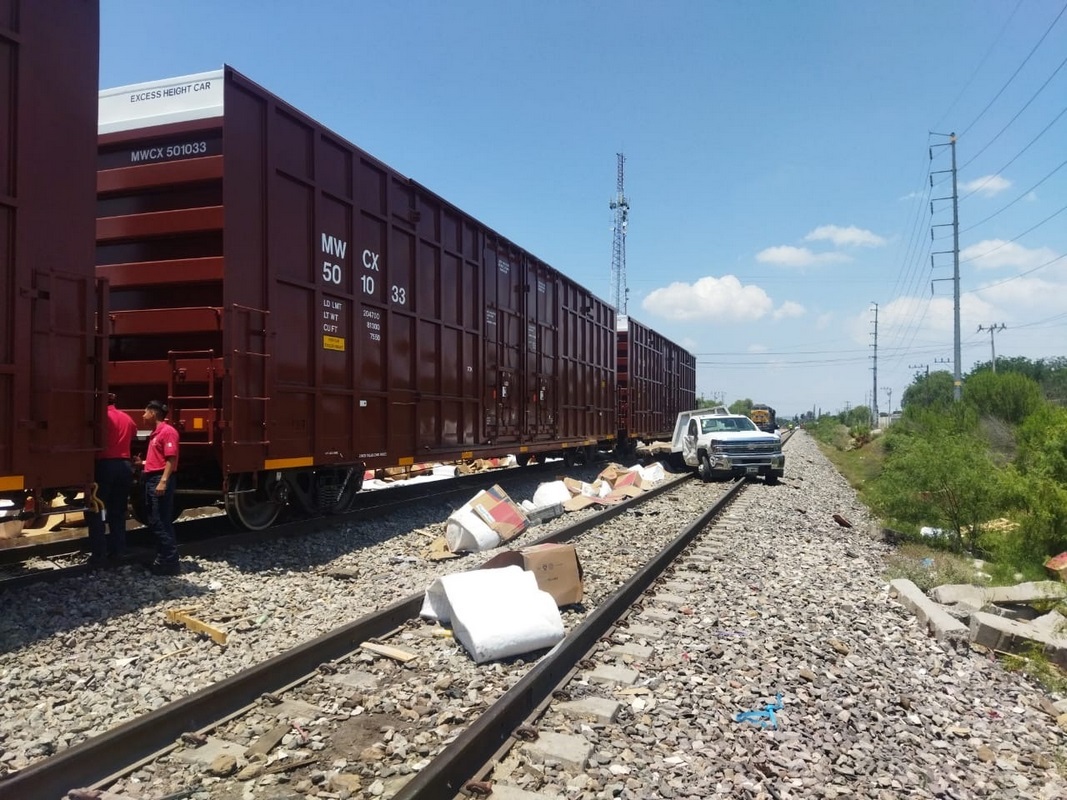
column 605, row 489
column 548, row 494
column 465, row 531
column 495, row 613
column 652, row 473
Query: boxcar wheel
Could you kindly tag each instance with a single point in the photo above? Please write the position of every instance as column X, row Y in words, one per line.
column 522, row 459
column 253, row 508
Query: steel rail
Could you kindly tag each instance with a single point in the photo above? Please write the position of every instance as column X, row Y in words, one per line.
column 111, row 753
column 445, row 776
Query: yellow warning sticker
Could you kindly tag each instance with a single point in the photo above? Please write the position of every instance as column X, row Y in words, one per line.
column 333, row 343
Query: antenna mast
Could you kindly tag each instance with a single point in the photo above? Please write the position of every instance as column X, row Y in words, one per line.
column 620, row 294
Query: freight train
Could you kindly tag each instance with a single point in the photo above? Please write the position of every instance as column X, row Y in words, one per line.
column 307, row 312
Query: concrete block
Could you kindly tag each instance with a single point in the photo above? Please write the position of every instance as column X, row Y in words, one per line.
column 597, row 709
column 504, row 791
column 1012, row 636
column 953, row 593
column 571, row 752
column 613, row 676
column 1035, row 591
column 1052, row 623
column 658, row 615
column 635, row 651
column 671, row 600
column 682, row 588
column 930, row 615
column 356, row 680
column 293, row 709
column 645, row 632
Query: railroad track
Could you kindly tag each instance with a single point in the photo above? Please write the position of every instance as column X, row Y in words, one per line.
column 101, row 760
column 58, row 560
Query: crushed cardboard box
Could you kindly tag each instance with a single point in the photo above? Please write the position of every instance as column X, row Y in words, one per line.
column 555, row 566
column 484, row 522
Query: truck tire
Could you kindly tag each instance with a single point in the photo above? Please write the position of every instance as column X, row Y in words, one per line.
column 772, row 478
column 705, row 468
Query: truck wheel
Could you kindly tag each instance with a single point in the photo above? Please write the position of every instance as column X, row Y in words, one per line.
column 772, row 478
column 705, row 468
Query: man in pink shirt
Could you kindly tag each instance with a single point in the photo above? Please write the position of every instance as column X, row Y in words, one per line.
column 113, row 476
column 160, row 466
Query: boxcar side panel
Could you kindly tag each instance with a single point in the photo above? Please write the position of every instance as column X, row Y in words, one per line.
column 657, row 379
column 50, row 365
column 587, row 365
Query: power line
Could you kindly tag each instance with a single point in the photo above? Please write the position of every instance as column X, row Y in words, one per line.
column 1020, row 111
column 1016, row 277
column 1017, row 199
column 976, row 70
column 1008, row 82
column 1017, row 238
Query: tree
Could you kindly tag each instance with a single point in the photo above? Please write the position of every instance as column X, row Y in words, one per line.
column 933, row 391
column 1008, row 396
column 944, row 479
column 741, row 406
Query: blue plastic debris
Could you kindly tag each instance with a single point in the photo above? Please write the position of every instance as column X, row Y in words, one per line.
column 764, row 717
column 927, row 562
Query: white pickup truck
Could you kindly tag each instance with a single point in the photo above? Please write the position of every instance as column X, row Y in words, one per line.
column 721, row 445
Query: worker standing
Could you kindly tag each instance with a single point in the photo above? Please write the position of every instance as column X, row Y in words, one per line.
column 114, row 476
column 160, row 467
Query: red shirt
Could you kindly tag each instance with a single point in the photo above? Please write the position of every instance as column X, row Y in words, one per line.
column 120, row 432
column 162, row 444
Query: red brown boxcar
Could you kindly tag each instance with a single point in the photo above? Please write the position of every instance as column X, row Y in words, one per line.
column 308, row 312
column 50, row 356
column 656, row 380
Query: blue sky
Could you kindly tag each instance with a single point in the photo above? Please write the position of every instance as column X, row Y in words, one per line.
column 777, row 161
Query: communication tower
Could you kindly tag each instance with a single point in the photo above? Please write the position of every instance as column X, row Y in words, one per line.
column 620, row 294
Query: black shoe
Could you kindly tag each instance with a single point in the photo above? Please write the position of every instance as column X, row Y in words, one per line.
column 165, row 568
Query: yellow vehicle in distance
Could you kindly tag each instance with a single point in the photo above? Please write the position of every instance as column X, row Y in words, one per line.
column 765, row 417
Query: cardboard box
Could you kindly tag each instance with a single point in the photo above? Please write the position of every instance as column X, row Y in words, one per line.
column 499, row 512
column 555, row 566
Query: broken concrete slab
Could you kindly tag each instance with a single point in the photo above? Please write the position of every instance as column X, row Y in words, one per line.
column 1032, row 592
column 1011, row 636
column 930, row 615
column 960, row 594
column 645, row 632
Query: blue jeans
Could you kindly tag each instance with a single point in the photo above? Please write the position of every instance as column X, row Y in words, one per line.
column 113, row 476
column 160, row 517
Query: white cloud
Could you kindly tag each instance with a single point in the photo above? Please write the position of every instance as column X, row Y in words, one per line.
column 993, row 253
column 845, row 237
column 788, row 256
column 710, row 299
column 822, row 322
column 987, row 185
column 789, row 309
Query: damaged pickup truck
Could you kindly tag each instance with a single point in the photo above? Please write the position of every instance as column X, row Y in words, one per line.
column 722, row 445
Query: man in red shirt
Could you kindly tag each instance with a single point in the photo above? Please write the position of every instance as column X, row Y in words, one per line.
column 114, row 476
column 160, row 465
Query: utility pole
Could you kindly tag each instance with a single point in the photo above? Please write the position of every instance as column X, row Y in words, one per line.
column 889, row 394
column 996, row 326
column 921, row 366
column 957, row 378
column 620, row 294
column 874, row 392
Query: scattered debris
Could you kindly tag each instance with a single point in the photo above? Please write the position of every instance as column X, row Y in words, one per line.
column 181, row 616
column 844, row 523
column 394, row 653
column 765, row 717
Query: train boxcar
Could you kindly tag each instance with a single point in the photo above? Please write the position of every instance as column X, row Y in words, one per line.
column 656, row 379
column 309, row 312
column 51, row 400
